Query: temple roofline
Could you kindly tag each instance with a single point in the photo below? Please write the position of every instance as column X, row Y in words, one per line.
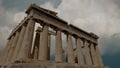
column 53, row 14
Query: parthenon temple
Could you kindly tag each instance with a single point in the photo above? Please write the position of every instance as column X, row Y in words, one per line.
column 30, row 46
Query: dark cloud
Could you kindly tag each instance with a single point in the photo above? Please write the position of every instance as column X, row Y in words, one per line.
column 112, row 61
column 112, row 52
column 117, row 2
column 112, row 43
column 22, row 4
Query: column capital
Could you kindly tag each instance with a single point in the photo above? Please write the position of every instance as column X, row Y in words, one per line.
column 31, row 18
column 67, row 33
column 85, row 41
column 88, row 41
column 92, row 43
column 44, row 24
column 57, row 29
column 38, row 30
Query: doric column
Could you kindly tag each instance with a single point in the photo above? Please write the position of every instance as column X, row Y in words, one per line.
column 13, row 46
column 49, row 42
column 58, row 47
column 36, row 44
column 43, row 47
column 93, row 54
column 8, row 50
column 79, row 52
column 35, row 55
column 87, row 53
column 3, row 55
column 18, row 45
column 27, row 41
column 1, row 60
column 70, row 53
column 99, row 58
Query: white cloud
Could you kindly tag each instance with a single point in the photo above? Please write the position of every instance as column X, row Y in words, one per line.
column 48, row 5
column 92, row 12
column 19, row 16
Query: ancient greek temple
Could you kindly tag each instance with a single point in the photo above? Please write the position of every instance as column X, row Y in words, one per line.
column 28, row 47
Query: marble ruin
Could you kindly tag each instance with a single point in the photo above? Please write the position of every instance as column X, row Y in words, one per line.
column 21, row 52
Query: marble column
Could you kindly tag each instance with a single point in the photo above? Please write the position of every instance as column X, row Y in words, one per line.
column 43, row 47
column 79, row 52
column 35, row 55
column 13, row 46
column 49, row 42
column 87, row 53
column 58, row 47
column 20, row 40
column 25, row 51
column 99, row 58
column 8, row 50
column 70, row 53
column 2, row 58
column 2, row 55
column 93, row 54
column 36, row 44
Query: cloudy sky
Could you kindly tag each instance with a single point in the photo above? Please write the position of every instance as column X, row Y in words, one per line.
column 101, row 17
